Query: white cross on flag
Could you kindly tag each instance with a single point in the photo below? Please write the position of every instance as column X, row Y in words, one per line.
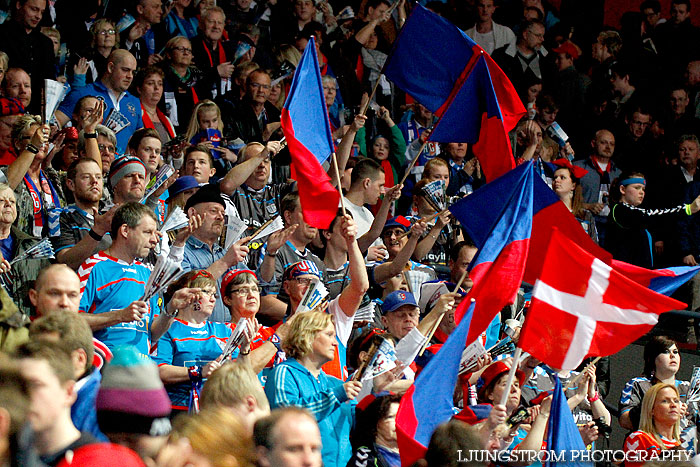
column 582, row 308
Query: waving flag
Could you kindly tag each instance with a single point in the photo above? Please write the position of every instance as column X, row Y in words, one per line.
column 445, row 70
column 562, row 432
column 664, row 281
column 307, row 130
column 582, row 308
column 498, row 267
column 480, row 211
column 428, row 402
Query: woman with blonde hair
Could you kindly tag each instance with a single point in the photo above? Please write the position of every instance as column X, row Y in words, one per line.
column 659, row 423
column 299, row 381
column 217, row 437
column 89, row 64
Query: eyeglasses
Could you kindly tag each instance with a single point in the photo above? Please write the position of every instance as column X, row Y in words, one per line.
column 258, row 85
column 104, row 32
column 303, row 280
column 103, row 147
column 243, row 291
column 328, row 88
column 183, row 50
column 211, row 293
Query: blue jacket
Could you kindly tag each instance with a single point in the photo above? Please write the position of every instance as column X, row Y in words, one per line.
column 293, row 385
column 83, row 412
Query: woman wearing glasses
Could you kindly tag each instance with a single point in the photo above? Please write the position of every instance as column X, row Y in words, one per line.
column 183, row 82
column 88, row 65
column 191, row 350
column 241, row 295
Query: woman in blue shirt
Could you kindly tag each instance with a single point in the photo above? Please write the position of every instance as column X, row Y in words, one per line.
column 191, row 350
column 299, row 381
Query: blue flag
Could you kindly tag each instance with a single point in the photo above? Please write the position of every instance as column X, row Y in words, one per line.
column 562, row 432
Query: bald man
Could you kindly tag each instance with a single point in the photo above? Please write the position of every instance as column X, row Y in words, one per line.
column 595, row 185
column 116, row 80
column 56, row 288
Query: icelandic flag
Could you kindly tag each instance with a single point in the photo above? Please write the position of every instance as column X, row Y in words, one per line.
column 307, row 129
column 428, row 402
column 664, row 281
column 458, row 81
column 498, row 267
column 562, row 432
column 481, row 210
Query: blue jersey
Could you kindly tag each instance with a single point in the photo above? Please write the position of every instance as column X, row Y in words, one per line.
column 108, row 284
column 188, row 344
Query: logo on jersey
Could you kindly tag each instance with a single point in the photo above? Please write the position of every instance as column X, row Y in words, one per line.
column 203, row 331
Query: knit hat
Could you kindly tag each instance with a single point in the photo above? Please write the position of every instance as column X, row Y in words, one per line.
column 124, row 166
column 209, row 193
column 10, row 106
column 132, row 398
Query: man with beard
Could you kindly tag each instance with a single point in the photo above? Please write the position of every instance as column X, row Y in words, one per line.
column 83, row 232
column 113, row 89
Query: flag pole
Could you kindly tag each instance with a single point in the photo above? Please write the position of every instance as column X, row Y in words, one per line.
column 337, row 180
column 363, row 366
column 437, row 323
column 413, row 162
column 578, row 376
column 511, row 375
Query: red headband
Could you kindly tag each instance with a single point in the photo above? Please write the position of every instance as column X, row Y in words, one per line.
column 228, row 277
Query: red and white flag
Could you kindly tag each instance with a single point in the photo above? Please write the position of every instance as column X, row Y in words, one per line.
column 582, row 308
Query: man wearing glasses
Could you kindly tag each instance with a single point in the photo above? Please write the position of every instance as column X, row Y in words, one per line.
column 256, row 119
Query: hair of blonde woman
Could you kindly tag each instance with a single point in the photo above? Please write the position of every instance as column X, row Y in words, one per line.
column 302, row 332
column 290, row 54
column 98, row 25
column 646, row 419
column 24, row 123
column 193, row 128
column 173, row 41
column 218, row 435
column 230, row 385
column 4, row 61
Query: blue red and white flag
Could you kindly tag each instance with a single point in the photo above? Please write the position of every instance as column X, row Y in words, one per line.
column 429, row 401
column 307, row 130
column 581, row 307
column 498, row 267
column 445, row 70
column 664, row 281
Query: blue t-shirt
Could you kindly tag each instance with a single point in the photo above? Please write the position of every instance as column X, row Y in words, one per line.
column 108, row 284
column 188, row 344
column 129, row 106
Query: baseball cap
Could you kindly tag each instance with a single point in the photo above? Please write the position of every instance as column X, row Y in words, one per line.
column 398, row 221
column 396, row 300
column 568, row 47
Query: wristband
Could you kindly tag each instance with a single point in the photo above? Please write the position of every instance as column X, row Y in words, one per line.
column 594, row 398
column 687, row 210
column 95, row 236
column 90, row 135
column 195, row 373
column 31, row 148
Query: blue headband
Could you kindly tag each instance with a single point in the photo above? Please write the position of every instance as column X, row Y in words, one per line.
column 629, row 181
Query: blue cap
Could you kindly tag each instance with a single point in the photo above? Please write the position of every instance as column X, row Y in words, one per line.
column 396, row 300
column 186, row 182
column 398, row 221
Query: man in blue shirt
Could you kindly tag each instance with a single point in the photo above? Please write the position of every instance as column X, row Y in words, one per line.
column 113, row 88
column 113, row 281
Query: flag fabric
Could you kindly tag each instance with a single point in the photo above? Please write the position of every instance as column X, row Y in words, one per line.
column 479, row 212
column 307, row 130
column 383, row 360
column 497, row 269
column 562, row 432
column 428, row 402
column 458, row 81
column 664, row 281
column 582, row 308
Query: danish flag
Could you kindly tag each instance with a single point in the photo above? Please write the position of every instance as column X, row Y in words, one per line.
column 581, row 307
